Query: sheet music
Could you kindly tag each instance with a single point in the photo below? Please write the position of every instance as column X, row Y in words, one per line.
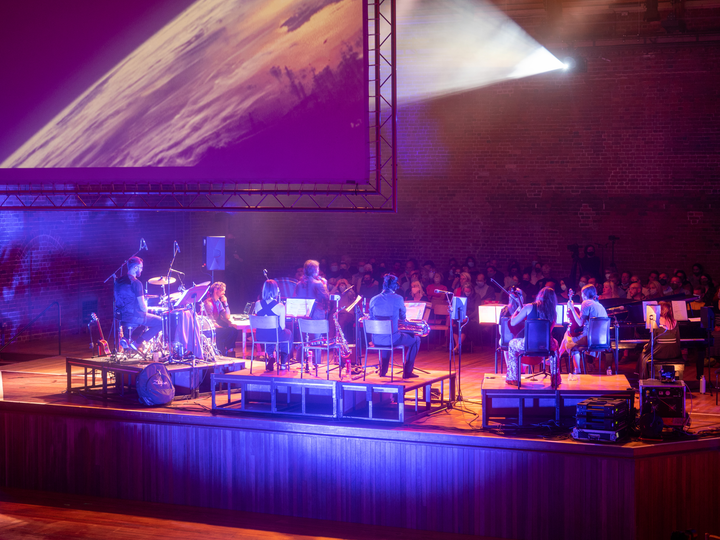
column 680, row 310
column 299, row 307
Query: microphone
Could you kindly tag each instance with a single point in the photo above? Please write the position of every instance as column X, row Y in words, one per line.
column 265, row 273
column 176, row 246
column 177, row 271
column 143, row 245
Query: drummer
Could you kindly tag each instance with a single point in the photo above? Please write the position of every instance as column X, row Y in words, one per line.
column 132, row 307
column 217, row 308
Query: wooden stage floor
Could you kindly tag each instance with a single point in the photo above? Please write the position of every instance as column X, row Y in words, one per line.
column 33, row 373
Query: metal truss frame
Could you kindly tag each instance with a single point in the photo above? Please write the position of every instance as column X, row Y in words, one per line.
column 378, row 195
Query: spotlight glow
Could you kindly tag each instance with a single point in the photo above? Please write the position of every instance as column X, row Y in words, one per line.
column 457, row 45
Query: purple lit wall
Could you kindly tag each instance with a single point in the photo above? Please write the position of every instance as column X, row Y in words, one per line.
column 515, row 170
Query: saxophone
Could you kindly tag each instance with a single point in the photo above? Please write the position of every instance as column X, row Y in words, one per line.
column 345, row 351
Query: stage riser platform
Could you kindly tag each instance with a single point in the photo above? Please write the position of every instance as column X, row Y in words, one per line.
column 505, row 488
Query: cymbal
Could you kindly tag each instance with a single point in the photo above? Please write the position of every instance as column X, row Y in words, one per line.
column 161, row 280
column 203, row 284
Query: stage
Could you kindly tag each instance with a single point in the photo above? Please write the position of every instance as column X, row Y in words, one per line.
column 441, row 471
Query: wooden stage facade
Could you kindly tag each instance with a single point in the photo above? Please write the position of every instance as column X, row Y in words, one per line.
column 439, row 472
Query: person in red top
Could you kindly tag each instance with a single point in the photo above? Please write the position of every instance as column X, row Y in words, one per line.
column 436, row 288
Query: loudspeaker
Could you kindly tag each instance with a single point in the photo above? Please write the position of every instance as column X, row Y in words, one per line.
column 707, row 318
column 214, row 252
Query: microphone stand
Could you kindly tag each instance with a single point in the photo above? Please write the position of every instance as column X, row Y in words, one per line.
column 115, row 330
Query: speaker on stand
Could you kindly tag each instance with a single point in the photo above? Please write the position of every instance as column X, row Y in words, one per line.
column 214, row 253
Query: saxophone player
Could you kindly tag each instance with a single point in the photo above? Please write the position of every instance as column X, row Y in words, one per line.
column 269, row 305
column 388, row 305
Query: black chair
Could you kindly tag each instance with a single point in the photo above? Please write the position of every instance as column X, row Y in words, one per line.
column 537, row 342
column 598, row 340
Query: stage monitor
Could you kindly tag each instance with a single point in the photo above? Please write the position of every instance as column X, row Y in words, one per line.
column 299, row 307
column 181, row 91
column 415, row 311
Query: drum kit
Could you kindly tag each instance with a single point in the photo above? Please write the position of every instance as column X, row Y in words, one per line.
column 187, row 330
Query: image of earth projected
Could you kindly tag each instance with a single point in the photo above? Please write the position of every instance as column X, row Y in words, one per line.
column 251, row 90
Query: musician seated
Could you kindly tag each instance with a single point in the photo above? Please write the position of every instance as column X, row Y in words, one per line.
column 388, row 305
column 543, row 308
column 269, row 305
column 666, row 338
column 217, row 308
column 131, row 305
column 589, row 309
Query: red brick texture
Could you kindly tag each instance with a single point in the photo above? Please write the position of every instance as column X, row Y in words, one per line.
column 515, row 170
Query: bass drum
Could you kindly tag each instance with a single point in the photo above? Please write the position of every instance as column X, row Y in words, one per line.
column 181, row 338
column 208, row 337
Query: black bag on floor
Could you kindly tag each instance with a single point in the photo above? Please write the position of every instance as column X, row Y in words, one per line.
column 154, row 386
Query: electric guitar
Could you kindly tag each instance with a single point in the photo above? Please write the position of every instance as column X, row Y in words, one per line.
column 103, row 347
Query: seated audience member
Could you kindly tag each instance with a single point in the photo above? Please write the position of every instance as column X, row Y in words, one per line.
column 405, row 280
column 675, row 285
column 369, row 287
column 436, row 289
column 547, row 276
column 427, row 273
column 471, row 264
column 615, row 279
column 687, row 288
column 589, row 309
column 461, row 280
column 707, row 289
column 562, row 292
column 334, row 271
column 513, row 269
column 609, row 291
column 340, row 286
column 664, row 280
column 416, row 293
column 624, row 283
column 529, row 290
column 492, row 273
column 270, row 305
column 654, row 290
column 635, row 292
column 694, row 278
column 682, row 275
column 483, row 291
column 536, row 275
column 666, row 339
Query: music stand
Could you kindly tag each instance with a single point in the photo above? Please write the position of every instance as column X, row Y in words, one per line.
column 299, row 307
column 191, row 296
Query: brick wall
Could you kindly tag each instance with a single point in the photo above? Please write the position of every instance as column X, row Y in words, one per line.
column 516, row 170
